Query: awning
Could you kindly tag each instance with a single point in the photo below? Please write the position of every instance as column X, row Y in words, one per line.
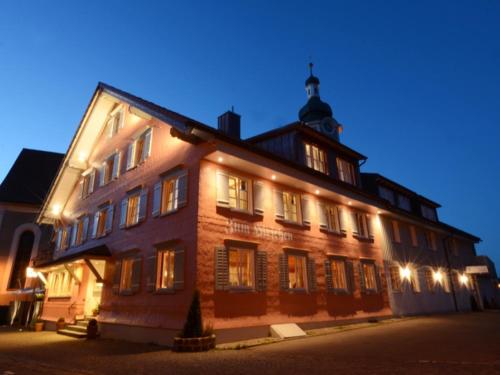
column 93, row 253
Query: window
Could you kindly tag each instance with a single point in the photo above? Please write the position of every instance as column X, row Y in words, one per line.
column 60, row 284
column 315, row 158
column 79, row 231
column 361, row 225
column 88, row 183
column 297, row 272
column 428, row 212
column 133, row 208
column 369, row 277
column 395, row 274
column 126, row 274
column 386, row 194
column 346, row 171
column 115, row 122
column 453, row 246
column 109, row 169
column 166, row 262
column 429, row 279
column 139, row 150
column 330, row 218
column 413, row 235
column 290, row 206
column 414, row 281
column 103, row 221
column 446, row 282
column 241, row 267
column 233, row 192
column 62, row 241
column 404, row 202
column 286, row 205
column 396, row 235
column 430, row 240
column 170, row 194
column 339, row 278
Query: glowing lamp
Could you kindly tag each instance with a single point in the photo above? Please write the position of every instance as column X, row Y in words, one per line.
column 438, row 276
column 273, row 177
column 349, row 203
column 82, row 157
column 464, row 279
column 220, row 159
column 31, row 273
column 56, row 209
column 405, row 273
column 316, row 192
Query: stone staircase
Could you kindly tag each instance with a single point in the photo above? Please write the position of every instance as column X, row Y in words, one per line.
column 78, row 330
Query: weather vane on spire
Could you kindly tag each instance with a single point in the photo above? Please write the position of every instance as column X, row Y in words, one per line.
column 311, row 68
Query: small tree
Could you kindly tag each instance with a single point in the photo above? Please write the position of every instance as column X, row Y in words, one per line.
column 194, row 323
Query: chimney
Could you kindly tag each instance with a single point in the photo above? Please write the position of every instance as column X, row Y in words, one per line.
column 229, row 124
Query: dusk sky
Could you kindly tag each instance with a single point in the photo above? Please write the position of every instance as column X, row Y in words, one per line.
column 416, row 84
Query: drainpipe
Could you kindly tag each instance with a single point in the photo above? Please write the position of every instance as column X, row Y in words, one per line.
column 450, row 280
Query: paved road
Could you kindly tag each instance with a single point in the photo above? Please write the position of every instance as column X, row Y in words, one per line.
column 454, row 344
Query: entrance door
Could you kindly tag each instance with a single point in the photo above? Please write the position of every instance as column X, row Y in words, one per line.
column 94, row 289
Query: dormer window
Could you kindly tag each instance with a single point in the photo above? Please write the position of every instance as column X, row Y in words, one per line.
column 315, row 158
column 346, row 171
column 139, row 150
column 115, row 122
column 88, row 183
column 109, row 169
column 386, row 194
column 404, row 202
column 428, row 212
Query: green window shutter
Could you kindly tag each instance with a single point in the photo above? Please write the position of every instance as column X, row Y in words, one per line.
column 328, row 276
column 349, row 269
column 261, row 271
column 361, row 278
column 123, row 212
column 284, row 278
column 378, row 279
column 258, row 193
column 182, row 190
column 157, row 198
column 143, row 204
column 151, row 273
column 108, row 225
column 342, row 222
column 136, row 275
column 311, row 275
column 354, row 219
column 221, row 268
column 117, row 276
column 222, row 189
column 179, row 268
column 323, row 221
column 278, row 205
column 306, row 210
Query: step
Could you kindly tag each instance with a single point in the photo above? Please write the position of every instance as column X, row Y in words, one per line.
column 75, row 334
column 77, row 328
column 82, row 323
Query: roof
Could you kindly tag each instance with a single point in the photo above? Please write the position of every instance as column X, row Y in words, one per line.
column 97, row 252
column 30, row 177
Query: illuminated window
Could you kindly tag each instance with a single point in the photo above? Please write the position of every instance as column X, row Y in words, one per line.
column 429, row 279
column 445, row 282
column 430, row 240
column 361, row 225
column 88, row 182
column 241, row 267
column 133, row 208
column 62, row 240
column 413, row 235
column 453, row 245
column 339, row 279
column 238, row 193
column 103, row 221
column 369, row 276
column 297, row 272
column 395, row 274
column 332, row 218
column 60, row 284
column 126, row 274
column 166, row 262
column 109, row 169
column 114, row 122
column 315, row 158
column 290, row 206
column 139, row 150
column 396, row 235
column 346, row 171
column 414, row 281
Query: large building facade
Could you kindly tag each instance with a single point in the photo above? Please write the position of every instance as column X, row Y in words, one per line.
column 150, row 205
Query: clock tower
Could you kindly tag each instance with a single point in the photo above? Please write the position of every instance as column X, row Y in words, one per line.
column 316, row 113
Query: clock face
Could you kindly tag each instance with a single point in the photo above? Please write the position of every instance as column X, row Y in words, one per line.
column 327, row 126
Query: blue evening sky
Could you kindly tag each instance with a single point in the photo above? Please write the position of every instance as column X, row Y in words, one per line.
column 416, row 84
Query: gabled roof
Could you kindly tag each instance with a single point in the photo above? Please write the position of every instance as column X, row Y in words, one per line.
column 30, row 176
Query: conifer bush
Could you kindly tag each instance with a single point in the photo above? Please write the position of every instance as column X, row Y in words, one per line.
column 194, row 322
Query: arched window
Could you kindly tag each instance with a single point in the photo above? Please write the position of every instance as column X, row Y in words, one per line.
column 23, row 255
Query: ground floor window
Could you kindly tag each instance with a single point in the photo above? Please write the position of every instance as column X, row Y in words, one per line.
column 241, row 267
column 166, row 262
column 60, row 283
column 369, row 276
column 395, row 274
column 297, row 271
column 429, row 279
column 339, row 279
column 414, row 281
column 126, row 275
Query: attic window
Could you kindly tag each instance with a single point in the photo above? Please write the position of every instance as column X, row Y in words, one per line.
column 346, row 171
column 315, row 158
column 428, row 212
column 115, row 122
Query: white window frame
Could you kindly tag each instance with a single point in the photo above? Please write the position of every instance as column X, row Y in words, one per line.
column 133, row 159
column 114, row 122
column 161, row 267
column 316, row 157
column 346, row 172
column 239, row 272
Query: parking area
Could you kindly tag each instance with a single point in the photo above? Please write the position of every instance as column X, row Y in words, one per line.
column 446, row 344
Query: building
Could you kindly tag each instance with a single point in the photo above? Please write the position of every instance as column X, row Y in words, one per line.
column 150, row 205
column 489, row 283
column 21, row 195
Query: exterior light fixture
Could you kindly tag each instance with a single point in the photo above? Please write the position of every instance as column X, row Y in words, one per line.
column 437, row 277
column 31, row 273
column 56, row 209
column 464, row 279
column 273, row 177
column 82, row 157
column 349, row 203
column 220, row 159
column 379, row 212
column 405, row 272
column 316, row 192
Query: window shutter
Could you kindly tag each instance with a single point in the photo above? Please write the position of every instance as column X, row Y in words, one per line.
column 221, row 268
column 283, row 264
column 102, row 174
column 349, row 269
column 261, row 271
column 116, row 165
column 136, row 275
column 323, row 221
column 342, row 223
column 182, row 189
column 117, row 277
column 355, row 229
column 311, row 275
column 95, row 224
column 120, row 118
column 82, row 187
column 179, row 268
column 151, row 273
column 306, row 210
column 157, row 198
column 369, row 224
column 146, row 150
column 328, row 276
column 108, row 225
column 378, row 279
column 222, row 189
column 278, row 205
column 143, row 204
column 361, row 278
column 69, row 229
column 258, row 191
column 91, row 181
column 73, row 234
column 130, row 155
column 59, row 238
column 123, row 212
column 85, row 229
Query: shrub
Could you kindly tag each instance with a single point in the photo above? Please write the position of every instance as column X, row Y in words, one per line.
column 194, row 323
column 61, row 320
